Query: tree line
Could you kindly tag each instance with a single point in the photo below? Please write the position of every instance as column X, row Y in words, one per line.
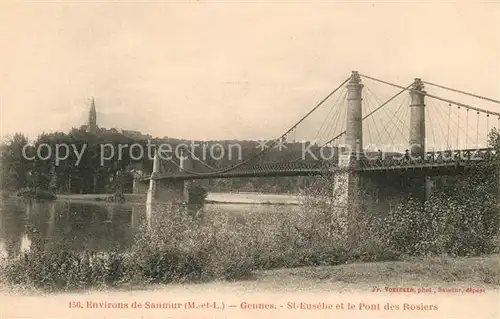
column 25, row 164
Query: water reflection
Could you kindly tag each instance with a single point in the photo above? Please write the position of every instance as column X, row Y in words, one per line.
column 82, row 226
column 57, row 225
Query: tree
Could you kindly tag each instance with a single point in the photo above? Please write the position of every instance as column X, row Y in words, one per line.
column 13, row 166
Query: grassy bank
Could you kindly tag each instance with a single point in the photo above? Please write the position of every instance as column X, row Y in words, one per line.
column 479, row 271
column 352, row 283
column 469, row 272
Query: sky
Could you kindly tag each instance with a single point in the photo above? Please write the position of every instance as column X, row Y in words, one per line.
column 226, row 69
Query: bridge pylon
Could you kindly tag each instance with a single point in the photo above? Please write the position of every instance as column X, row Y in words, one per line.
column 167, row 189
column 346, row 183
column 417, row 119
column 417, row 137
column 354, row 126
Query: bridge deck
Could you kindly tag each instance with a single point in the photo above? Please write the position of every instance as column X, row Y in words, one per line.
column 444, row 162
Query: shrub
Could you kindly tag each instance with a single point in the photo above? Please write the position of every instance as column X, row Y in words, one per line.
column 460, row 219
column 177, row 246
column 443, row 225
column 197, row 195
column 53, row 270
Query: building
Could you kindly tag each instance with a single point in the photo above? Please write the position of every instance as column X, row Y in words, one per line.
column 135, row 135
column 93, row 128
column 92, row 122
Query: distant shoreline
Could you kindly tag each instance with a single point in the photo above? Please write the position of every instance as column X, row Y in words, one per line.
column 251, row 203
column 240, row 198
column 253, row 198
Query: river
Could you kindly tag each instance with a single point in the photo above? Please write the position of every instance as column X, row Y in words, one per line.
column 100, row 226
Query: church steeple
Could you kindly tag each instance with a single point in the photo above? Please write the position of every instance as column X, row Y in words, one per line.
column 92, row 124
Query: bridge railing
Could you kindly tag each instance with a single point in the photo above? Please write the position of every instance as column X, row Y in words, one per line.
column 431, row 157
column 270, row 167
column 286, row 166
column 446, row 157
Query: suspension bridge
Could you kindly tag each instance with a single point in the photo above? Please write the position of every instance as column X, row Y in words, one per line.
column 394, row 141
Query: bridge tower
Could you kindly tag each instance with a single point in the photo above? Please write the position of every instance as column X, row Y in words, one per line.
column 167, row 189
column 347, row 181
column 417, row 133
column 354, row 126
column 417, row 119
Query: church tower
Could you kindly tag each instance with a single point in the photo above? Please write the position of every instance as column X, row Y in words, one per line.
column 92, row 124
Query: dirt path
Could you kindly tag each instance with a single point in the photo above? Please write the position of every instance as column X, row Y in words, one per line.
column 282, row 294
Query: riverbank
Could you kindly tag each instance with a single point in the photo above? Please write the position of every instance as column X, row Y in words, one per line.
column 212, row 198
column 253, row 198
column 128, row 198
column 463, row 287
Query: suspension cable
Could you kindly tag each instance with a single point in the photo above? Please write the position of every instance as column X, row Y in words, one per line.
column 369, row 114
column 368, row 100
column 264, row 150
column 195, row 157
column 487, row 125
column 458, row 126
column 395, row 126
column 463, row 92
column 477, row 128
column 432, row 96
column 448, row 134
column 340, row 115
column 334, row 119
column 434, row 139
column 466, row 127
column 441, row 121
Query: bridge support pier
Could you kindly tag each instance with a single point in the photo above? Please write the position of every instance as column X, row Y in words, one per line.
column 417, row 136
column 346, row 196
column 429, row 187
column 167, row 189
